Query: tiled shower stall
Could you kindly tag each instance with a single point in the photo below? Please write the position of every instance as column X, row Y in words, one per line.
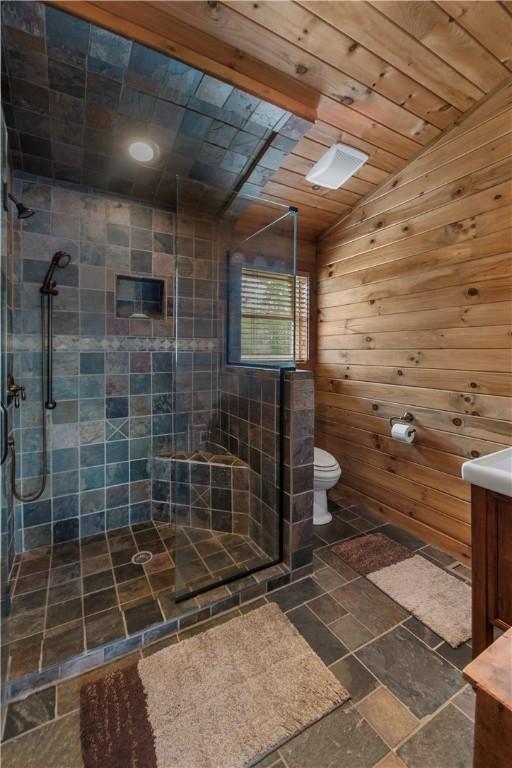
column 118, row 403
column 129, row 390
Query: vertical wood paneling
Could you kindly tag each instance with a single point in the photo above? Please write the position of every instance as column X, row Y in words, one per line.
column 414, row 313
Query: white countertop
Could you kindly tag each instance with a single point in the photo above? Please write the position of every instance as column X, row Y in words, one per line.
column 493, row 472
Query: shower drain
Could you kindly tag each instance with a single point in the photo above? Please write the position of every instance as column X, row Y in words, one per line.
column 141, row 558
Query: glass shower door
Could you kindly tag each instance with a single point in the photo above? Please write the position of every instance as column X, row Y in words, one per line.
column 6, row 511
column 198, row 328
column 226, row 469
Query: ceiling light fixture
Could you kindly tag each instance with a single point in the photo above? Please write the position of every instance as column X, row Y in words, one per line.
column 142, row 151
column 338, row 164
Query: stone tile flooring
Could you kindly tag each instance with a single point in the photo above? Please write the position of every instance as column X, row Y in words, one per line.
column 409, row 703
column 78, row 596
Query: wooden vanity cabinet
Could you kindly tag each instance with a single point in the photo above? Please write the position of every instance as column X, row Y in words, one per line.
column 491, row 541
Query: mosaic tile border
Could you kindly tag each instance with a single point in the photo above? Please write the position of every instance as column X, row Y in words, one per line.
column 32, row 343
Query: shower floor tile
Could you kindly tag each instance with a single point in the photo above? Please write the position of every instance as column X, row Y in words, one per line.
column 72, row 598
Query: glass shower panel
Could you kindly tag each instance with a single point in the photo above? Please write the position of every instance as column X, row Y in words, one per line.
column 226, row 467
column 6, row 502
column 198, row 328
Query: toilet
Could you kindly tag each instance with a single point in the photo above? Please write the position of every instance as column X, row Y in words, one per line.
column 327, row 472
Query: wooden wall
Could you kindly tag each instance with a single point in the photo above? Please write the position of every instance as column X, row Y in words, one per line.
column 414, row 289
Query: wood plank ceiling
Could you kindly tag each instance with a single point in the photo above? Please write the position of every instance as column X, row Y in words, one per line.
column 385, row 77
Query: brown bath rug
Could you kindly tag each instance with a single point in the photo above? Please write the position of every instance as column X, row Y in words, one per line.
column 224, row 697
column 371, row 552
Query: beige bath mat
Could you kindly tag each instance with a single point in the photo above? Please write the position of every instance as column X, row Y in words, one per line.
column 435, row 597
column 225, row 698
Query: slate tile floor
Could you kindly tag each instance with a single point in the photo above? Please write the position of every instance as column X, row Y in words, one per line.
column 78, row 596
column 409, row 704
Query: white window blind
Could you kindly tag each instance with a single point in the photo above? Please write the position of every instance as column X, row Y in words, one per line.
column 302, row 318
column 267, row 321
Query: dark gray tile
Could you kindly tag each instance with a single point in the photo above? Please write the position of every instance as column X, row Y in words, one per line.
column 369, row 605
column 95, row 602
column 358, row 681
column 466, row 700
column 459, row 657
column 341, row 738
column 321, row 639
column 63, row 643
column 438, row 556
column 327, row 608
column 102, row 628
column 420, row 678
column 97, row 581
column 295, row 594
column 327, row 556
column 424, row 633
column 30, row 712
column 61, row 613
column 54, row 744
column 142, row 616
column 446, row 741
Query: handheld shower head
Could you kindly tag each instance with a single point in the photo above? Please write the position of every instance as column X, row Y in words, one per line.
column 60, row 260
column 23, row 211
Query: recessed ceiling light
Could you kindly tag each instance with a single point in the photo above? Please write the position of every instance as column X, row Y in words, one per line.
column 141, row 151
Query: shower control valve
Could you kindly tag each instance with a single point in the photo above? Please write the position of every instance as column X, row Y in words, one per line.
column 15, row 392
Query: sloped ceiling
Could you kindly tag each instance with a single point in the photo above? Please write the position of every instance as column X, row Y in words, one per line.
column 389, row 76
column 385, row 77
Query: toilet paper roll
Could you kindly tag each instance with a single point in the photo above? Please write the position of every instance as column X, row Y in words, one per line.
column 403, row 433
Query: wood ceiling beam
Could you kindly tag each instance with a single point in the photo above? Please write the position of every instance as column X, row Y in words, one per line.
column 145, row 23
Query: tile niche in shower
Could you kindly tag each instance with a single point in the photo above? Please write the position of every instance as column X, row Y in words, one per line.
column 140, row 297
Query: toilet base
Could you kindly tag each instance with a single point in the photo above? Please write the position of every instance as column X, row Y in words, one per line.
column 321, row 515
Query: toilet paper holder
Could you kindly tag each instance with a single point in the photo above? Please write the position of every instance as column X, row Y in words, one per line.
column 407, row 417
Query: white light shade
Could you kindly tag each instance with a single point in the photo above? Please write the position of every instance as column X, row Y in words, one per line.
column 141, row 151
column 338, row 164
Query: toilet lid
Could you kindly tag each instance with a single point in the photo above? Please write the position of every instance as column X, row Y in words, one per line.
column 324, row 460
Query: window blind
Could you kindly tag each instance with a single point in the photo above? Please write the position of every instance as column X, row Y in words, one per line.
column 302, row 318
column 268, row 307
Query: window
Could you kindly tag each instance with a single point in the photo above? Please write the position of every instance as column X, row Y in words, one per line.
column 267, row 316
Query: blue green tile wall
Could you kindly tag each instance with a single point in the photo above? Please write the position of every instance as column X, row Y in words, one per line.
column 118, row 399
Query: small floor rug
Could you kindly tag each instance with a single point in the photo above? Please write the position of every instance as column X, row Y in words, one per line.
column 371, row 552
column 223, row 698
column 435, row 597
